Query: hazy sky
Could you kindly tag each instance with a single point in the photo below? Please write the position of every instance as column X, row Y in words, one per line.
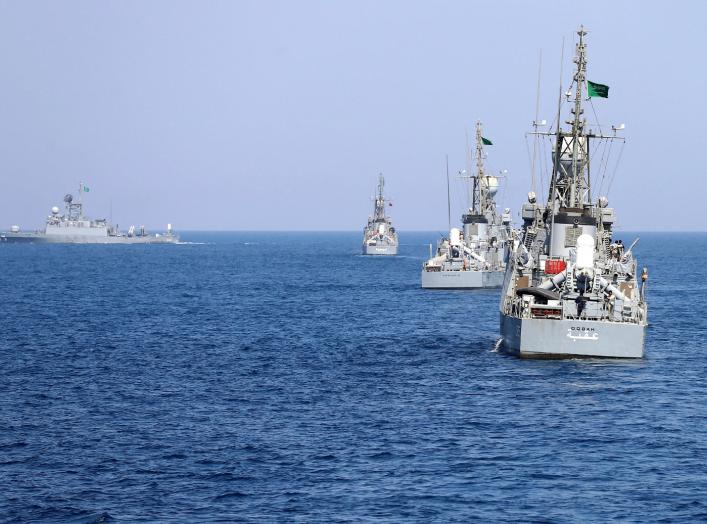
column 280, row 114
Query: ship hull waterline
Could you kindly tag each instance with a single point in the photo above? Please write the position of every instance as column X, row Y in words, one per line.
column 380, row 250
column 51, row 239
column 462, row 279
column 548, row 338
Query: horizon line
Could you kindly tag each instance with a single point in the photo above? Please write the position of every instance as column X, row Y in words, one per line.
column 398, row 230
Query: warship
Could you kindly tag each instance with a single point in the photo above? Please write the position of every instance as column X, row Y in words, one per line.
column 379, row 235
column 472, row 257
column 570, row 290
column 74, row 227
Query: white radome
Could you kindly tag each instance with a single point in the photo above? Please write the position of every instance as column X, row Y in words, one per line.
column 491, row 184
column 585, row 252
column 455, row 236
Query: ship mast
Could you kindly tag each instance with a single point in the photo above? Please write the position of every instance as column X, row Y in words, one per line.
column 80, row 204
column 482, row 201
column 571, row 186
column 379, row 213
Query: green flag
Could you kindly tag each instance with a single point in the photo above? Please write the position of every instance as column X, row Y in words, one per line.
column 486, row 141
column 600, row 90
column 86, row 189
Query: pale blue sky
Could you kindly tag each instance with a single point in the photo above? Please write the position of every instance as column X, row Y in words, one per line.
column 280, row 114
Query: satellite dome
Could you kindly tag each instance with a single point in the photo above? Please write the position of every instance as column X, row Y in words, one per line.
column 55, row 210
column 585, row 252
column 455, row 236
column 490, row 183
column 68, row 198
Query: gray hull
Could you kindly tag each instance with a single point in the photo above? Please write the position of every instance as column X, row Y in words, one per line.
column 380, row 250
column 546, row 338
column 461, row 279
column 41, row 238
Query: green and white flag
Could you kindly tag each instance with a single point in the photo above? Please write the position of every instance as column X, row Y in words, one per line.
column 600, row 90
column 486, row 141
column 86, row 189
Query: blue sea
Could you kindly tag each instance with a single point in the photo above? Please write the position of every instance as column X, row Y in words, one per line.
column 282, row 377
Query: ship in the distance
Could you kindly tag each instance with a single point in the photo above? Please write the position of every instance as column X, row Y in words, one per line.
column 73, row 227
column 379, row 235
column 472, row 257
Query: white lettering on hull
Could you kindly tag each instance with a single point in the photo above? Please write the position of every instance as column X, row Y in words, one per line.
column 582, row 333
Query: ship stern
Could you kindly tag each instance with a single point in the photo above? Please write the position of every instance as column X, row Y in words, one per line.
column 545, row 338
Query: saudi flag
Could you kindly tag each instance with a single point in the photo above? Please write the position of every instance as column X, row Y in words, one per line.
column 486, row 141
column 600, row 90
column 86, row 189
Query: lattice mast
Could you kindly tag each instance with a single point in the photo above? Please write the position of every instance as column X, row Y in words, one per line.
column 379, row 212
column 482, row 199
column 570, row 187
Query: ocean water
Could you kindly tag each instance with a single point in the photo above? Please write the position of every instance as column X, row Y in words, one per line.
column 282, row 377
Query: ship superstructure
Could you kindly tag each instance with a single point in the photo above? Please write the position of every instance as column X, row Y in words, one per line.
column 73, row 227
column 474, row 256
column 379, row 235
column 569, row 289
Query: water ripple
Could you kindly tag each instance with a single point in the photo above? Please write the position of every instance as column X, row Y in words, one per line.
column 212, row 381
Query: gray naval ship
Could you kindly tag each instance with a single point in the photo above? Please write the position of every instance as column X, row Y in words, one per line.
column 473, row 257
column 569, row 289
column 379, row 235
column 75, row 228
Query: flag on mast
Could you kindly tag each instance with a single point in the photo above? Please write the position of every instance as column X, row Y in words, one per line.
column 600, row 90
